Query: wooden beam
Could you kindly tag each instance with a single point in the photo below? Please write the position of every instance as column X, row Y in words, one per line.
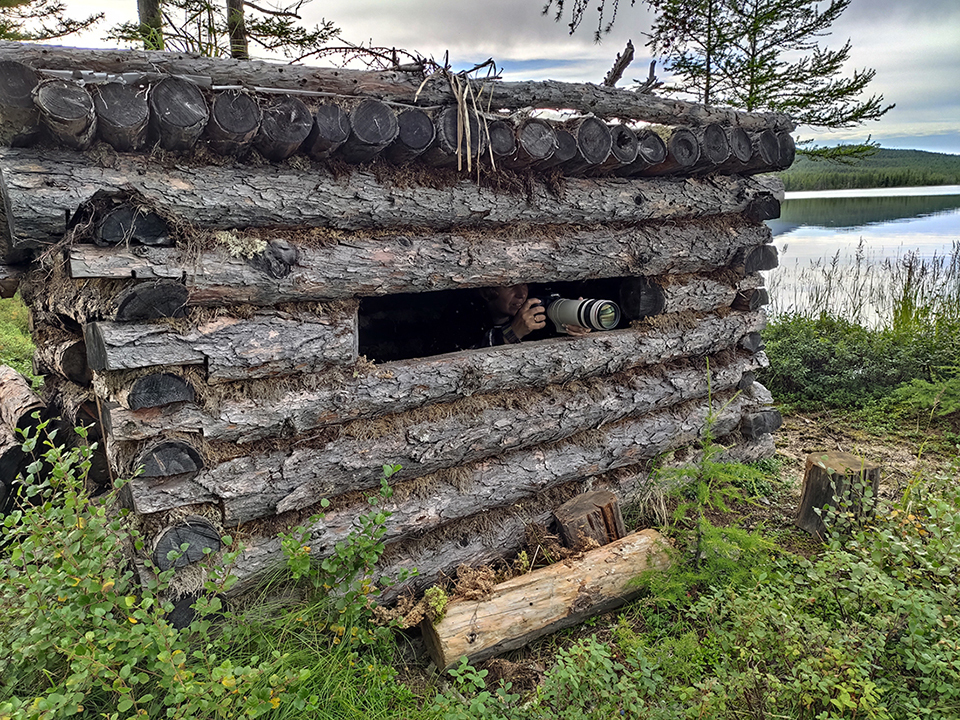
column 430, row 502
column 543, row 601
column 270, row 344
column 425, row 441
column 392, row 86
column 394, row 262
column 43, row 188
column 399, row 386
column 498, row 534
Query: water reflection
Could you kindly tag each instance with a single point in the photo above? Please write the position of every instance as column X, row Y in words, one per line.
column 836, row 248
column 855, row 212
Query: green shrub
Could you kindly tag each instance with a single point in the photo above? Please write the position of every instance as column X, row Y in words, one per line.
column 81, row 635
column 827, row 362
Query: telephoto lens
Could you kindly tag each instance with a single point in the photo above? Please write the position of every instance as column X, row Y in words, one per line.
column 593, row 314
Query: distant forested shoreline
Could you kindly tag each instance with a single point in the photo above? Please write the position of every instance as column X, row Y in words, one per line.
column 888, row 168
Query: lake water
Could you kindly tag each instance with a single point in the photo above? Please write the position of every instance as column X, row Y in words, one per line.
column 838, row 235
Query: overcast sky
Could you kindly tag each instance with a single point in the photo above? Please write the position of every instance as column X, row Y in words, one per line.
column 914, row 45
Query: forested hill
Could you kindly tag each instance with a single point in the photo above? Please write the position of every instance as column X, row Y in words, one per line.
column 888, row 168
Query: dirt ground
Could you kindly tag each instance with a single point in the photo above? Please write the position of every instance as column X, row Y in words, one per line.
column 901, row 455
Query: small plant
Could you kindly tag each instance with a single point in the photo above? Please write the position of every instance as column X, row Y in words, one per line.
column 436, row 599
column 346, row 574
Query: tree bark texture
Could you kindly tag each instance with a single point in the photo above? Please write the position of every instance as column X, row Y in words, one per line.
column 64, row 354
column 424, row 262
column 543, row 601
column 394, row 86
column 396, row 387
column 42, row 190
column 478, row 487
column 270, row 344
column 424, row 441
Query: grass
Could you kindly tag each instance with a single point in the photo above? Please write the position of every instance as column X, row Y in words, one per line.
column 879, row 337
column 16, row 347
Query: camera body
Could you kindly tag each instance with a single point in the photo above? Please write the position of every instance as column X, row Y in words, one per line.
column 593, row 314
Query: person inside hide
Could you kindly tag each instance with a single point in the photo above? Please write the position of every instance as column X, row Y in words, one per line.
column 515, row 316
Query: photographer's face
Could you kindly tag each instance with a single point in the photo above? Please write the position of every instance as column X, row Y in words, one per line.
column 509, row 300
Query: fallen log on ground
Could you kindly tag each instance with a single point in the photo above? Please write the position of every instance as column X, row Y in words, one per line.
column 544, row 601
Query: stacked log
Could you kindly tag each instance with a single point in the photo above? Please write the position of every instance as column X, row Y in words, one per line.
column 211, row 317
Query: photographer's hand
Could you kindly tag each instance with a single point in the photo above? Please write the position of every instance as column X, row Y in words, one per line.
column 530, row 317
column 576, row 330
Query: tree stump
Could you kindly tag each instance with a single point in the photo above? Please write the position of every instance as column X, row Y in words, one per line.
column 836, row 474
column 593, row 515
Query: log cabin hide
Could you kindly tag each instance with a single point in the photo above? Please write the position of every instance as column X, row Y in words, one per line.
column 239, row 268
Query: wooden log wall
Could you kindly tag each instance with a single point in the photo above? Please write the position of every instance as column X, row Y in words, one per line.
column 198, row 245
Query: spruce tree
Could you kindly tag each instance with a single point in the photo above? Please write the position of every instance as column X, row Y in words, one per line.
column 24, row 20
column 757, row 55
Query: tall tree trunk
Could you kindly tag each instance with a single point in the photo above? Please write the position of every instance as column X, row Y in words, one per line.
column 237, row 30
column 151, row 24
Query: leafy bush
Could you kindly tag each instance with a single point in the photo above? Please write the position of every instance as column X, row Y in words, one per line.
column 824, row 361
column 81, row 635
